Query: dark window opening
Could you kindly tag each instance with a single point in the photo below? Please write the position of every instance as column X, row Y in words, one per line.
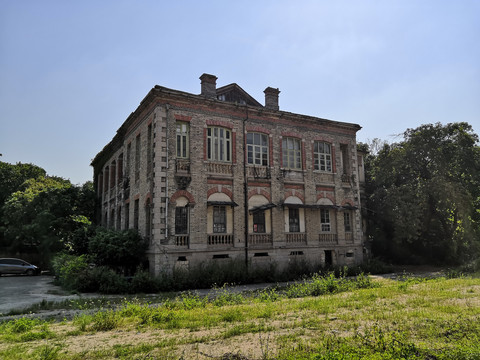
column 219, row 219
column 221, row 256
column 181, row 220
column 259, row 222
column 296, row 253
column 293, row 220
column 262, row 254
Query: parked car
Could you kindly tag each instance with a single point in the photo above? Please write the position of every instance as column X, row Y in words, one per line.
column 17, row 266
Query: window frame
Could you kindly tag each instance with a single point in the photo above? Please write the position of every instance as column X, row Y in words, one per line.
column 319, row 156
column 181, row 220
column 325, row 221
column 291, row 155
column 182, row 139
column 293, row 220
column 219, row 144
column 347, row 222
column 219, row 218
column 257, row 153
column 258, row 222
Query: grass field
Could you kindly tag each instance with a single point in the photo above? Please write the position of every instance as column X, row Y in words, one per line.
column 324, row 318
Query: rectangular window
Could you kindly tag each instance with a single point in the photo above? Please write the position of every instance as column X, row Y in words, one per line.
column 293, row 220
column 259, row 222
column 183, row 130
column 292, row 153
column 325, row 220
column 127, row 216
column 347, row 221
column 149, row 150
column 129, row 155
column 219, row 144
column 257, row 149
column 219, row 219
column 345, row 162
column 322, row 156
column 137, row 158
column 181, row 220
column 136, row 209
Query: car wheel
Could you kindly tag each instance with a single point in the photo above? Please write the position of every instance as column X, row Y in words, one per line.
column 30, row 272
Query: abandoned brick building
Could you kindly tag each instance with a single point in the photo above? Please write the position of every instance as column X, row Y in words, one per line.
column 219, row 176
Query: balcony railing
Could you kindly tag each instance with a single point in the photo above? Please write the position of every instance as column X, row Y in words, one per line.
column 182, row 240
column 349, row 237
column 296, row 237
column 328, row 239
column 259, row 239
column 182, row 165
column 220, row 239
column 258, row 172
column 219, row 168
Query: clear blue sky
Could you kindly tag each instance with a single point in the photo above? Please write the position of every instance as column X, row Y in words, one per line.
column 72, row 71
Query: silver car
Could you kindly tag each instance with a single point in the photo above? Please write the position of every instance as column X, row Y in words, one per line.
column 17, row 266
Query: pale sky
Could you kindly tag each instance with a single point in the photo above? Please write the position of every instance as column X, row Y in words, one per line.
column 72, row 71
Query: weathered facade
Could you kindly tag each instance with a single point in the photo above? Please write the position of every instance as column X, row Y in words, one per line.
column 218, row 176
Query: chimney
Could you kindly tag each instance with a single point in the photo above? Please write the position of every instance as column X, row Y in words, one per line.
column 271, row 98
column 209, row 86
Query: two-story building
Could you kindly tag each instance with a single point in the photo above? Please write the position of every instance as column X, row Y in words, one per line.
column 220, row 176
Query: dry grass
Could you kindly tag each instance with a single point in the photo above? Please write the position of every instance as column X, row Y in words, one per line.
column 432, row 317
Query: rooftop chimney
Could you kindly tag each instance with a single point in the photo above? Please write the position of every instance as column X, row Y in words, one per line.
column 209, row 86
column 271, row 98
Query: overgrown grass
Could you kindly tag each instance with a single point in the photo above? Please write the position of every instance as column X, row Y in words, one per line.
column 321, row 318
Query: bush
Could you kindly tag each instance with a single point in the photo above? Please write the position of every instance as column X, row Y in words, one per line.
column 69, row 270
column 119, row 250
column 143, row 282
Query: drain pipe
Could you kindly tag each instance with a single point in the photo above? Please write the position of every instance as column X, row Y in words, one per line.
column 245, row 188
column 167, row 108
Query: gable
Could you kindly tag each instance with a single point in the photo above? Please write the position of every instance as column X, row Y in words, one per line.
column 235, row 94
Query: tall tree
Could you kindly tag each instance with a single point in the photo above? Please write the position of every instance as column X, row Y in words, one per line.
column 425, row 195
column 45, row 215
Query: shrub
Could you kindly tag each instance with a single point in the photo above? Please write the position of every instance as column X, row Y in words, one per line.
column 143, row 282
column 69, row 270
column 119, row 250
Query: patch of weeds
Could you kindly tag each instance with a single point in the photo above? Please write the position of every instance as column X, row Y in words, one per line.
column 82, row 321
column 224, row 296
column 232, row 315
column 191, row 300
column 104, row 320
column 47, row 352
column 21, row 325
column 241, row 329
column 268, row 295
column 42, row 333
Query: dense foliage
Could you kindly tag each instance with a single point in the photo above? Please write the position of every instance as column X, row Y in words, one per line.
column 423, row 195
column 45, row 215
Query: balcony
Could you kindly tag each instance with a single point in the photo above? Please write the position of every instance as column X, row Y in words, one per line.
column 220, row 168
column 182, row 166
column 258, row 172
column 349, row 238
column 328, row 239
column 296, row 238
column 220, row 239
column 182, row 240
column 259, row 240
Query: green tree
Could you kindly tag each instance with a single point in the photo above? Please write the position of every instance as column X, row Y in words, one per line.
column 45, row 215
column 119, row 250
column 11, row 178
column 424, row 194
